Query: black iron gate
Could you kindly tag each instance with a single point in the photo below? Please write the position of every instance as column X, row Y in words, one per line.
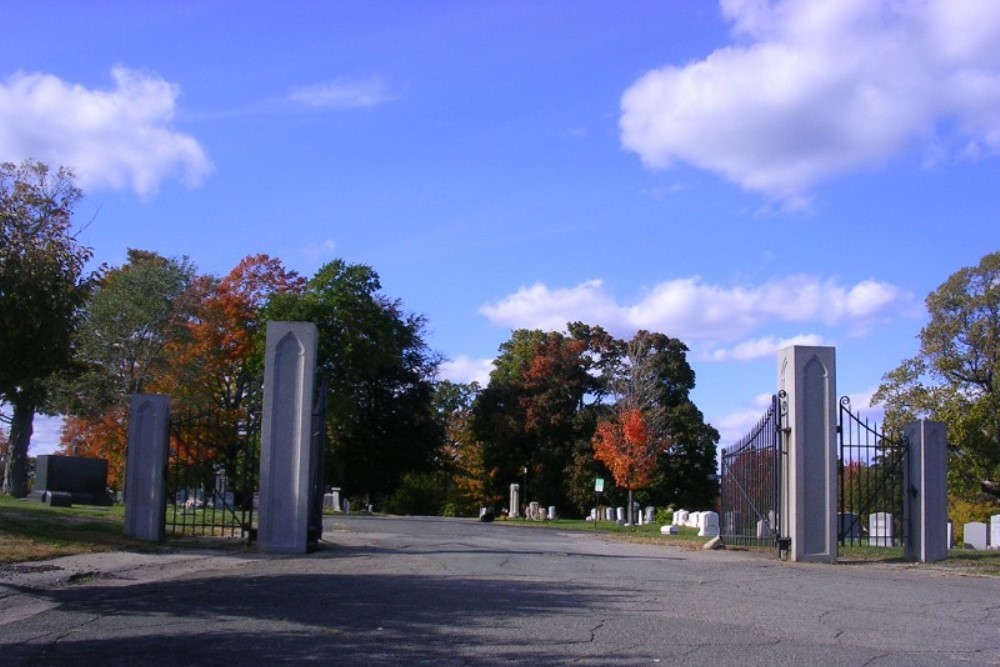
column 871, row 483
column 751, row 482
column 212, row 474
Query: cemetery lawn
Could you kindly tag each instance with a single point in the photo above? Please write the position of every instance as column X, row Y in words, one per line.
column 32, row 531
column 687, row 538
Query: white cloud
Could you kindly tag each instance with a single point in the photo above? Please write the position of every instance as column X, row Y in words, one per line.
column 694, row 310
column 763, row 348
column 118, row 138
column 464, row 370
column 344, row 94
column 319, row 252
column 814, row 88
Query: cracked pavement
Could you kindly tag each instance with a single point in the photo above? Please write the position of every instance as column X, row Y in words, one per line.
column 388, row 591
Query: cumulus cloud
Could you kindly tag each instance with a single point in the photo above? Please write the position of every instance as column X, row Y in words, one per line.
column 696, row 311
column 813, row 88
column 344, row 94
column 465, row 369
column 119, row 138
column 764, row 348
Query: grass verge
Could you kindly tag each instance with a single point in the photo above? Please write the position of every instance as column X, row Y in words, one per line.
column 31, row 531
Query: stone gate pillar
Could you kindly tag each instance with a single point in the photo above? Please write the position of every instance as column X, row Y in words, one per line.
column 146, row 467
column 926, row 491
column 287, row 461
column 809, row 485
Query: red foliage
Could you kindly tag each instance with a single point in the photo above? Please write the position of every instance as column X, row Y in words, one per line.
column 628, row 448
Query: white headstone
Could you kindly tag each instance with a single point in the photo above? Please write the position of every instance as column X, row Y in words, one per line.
column 609, row 513
column 951, row 535
column 668, row 530
column 880, row 529
column 515, row 501
column 620, row 514
column 995, row 532
column 975, row 535
column 680, row 517
column 552, row 512
column 709, row 524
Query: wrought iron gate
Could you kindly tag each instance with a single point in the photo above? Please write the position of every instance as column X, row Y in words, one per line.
column 751, row 482
column 871, row 483
column 212, row 474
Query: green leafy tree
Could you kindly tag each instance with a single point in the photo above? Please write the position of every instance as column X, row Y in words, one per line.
column 43, row 286
column 954, row 377
column 381, row 422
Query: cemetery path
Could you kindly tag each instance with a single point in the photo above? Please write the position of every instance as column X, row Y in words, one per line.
column 388, row 591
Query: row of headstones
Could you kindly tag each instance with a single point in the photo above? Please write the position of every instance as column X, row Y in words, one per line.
column 639, row 516
column 706, row 522
column 977, row 535
column 980, row 536
column 195, row 498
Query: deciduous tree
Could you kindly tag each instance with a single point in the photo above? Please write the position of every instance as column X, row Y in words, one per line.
column 954, row 377
column 43, row 286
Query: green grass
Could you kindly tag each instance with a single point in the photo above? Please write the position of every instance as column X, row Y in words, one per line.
column 32, row 531
column 647, row 534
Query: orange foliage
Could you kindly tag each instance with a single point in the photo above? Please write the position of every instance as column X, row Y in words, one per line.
column 101, row 437
column 628, row 448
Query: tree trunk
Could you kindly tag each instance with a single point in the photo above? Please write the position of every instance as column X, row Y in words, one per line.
column 15, row 478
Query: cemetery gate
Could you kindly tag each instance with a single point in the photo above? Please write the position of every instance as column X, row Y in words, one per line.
column 212, row 473
column 751, row 482
column 872, row 483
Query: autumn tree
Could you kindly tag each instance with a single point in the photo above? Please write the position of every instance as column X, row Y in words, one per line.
column 532, row 414
column 636, row 434
column 462, row 455
column 43, row 286
column 955, row 378
column 381, row 422
column 216, row 364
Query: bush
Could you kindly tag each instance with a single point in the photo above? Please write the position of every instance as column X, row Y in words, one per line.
column 419, row 494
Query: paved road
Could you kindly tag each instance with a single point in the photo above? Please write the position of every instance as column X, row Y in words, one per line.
column 456, row 592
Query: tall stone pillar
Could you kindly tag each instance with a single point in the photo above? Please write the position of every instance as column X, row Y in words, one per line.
column 515, row 501
column 286, row 459
column 146, row 467
column 809, row 494
column 926, row 491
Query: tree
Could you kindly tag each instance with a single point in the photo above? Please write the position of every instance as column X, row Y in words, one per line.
column 217, row 363
column 135, row 313
column 954, row 376
column 462, row 456
column 632, row 440
column 43, row 286
column 381, row 422
column 528, row 416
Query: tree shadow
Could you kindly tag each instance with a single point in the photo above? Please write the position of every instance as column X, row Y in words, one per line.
column 250, row 619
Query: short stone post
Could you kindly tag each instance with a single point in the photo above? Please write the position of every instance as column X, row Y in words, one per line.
column 927, row 491
column 808, row 376
column 146, row 467
column 287, row 459
column 515, row 501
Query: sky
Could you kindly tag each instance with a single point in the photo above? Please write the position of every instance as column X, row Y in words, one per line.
column 742, row 175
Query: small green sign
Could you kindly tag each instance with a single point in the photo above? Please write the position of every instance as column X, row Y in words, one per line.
column 599, row 485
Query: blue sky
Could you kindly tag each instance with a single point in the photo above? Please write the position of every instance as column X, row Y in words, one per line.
column 741, row 175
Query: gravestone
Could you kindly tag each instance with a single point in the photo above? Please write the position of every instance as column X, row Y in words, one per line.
column 880, row 529
column 609, row 513
column 975, row 535
column 994, row 532
column 515, row 501
column 85, row 479
column 849, row 524
column 733, row 522
column 668, row 530
column 951, row 535
column 708, row 524
column 620, row 514
column 763, row 529
column 650, row 514
column 552, row 513
column 225, row 500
